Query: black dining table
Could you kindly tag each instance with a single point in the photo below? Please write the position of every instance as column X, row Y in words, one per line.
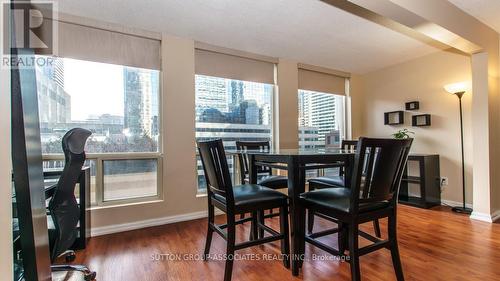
column 296, row 162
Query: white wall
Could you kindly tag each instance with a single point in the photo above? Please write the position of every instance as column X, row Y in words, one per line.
column 421, row 80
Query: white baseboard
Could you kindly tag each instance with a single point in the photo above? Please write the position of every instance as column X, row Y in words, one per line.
column 481, row 217
column 454, row 203
column 475, row 215
column 485, row 217
column 115, row 228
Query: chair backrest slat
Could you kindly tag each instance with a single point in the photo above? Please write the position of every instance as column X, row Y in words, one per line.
column 368, row 171
column 378, row 168
column 347, row 145
column 243, row 158
column 215, row 167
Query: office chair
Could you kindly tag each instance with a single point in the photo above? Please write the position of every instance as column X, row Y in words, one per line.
column 63, row 207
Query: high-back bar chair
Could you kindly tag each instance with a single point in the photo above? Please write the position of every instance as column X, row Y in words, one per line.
column 233, row 200
column 265, row 174
column 334, row 181
column 376, row 177
column 266, row 178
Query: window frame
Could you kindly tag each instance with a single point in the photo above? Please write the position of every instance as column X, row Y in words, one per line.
column 99, row 158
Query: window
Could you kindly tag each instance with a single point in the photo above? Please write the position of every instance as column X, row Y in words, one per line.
column 231, row 110
column 120, row 105
column 321, row 119
column 123, row 177
column 321, row 123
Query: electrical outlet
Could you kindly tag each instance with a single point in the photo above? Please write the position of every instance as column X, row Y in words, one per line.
column 444, row 181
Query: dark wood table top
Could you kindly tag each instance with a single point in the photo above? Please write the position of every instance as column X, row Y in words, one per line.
column 295, row 152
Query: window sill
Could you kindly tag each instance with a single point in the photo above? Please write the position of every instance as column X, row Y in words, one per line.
column 120, row 205
column 201, row 194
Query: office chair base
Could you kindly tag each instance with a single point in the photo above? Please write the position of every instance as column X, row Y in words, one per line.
column 69, row 256
column 89, row 275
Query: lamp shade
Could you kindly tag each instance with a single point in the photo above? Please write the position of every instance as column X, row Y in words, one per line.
column 460, row 87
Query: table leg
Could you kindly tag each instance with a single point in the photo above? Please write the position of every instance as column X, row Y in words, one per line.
column 252, row 178
column 301, row 218
column 296, row 185
column 349, row 162
column 252, row 169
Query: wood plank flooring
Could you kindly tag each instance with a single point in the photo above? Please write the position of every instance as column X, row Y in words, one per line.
column 434, row 245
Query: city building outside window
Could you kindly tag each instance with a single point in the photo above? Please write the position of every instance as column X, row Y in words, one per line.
column 321, row 119
column 321, row 123
column 120, row 106
column 231, row 110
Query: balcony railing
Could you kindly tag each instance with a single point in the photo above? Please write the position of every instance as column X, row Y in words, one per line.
column 120, row 178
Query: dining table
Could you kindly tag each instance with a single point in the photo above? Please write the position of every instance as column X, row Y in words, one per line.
column 296, row 162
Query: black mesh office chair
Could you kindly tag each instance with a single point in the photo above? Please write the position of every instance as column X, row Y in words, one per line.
column 63, row 207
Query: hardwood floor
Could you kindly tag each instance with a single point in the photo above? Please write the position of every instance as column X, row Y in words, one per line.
column 434, row 245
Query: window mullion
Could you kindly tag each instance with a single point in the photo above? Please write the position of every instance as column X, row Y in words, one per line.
column 99, row 181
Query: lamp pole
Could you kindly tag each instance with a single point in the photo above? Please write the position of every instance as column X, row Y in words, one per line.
column 462, row 209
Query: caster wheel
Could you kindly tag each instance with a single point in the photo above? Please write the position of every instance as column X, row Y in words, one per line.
column 91, row 276
column 70, row 257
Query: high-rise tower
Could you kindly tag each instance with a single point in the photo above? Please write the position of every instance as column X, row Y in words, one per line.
column 138, row 98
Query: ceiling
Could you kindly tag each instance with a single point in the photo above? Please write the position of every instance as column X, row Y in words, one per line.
column 308, row 31
column 487, row 11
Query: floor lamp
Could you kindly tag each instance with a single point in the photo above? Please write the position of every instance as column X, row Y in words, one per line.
column 459, row 90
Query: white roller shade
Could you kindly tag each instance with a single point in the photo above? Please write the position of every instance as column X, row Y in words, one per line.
column 321, row 82
column 233, row 67
column 100, row 45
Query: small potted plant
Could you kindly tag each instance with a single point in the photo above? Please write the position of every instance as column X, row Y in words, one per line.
column 402, row 134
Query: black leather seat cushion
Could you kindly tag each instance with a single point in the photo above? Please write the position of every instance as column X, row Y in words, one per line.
column 255, row 195
column 274, row 182
column 338, row 199
column 334, row 181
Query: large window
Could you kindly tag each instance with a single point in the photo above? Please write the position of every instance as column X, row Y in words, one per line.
column 120, row 106
column 321, row 119
column 321, row 123
column 231, row 110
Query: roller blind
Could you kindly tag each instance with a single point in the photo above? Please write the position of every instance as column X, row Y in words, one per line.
column 321, row 82
column 99, row 45
column 233, row 67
